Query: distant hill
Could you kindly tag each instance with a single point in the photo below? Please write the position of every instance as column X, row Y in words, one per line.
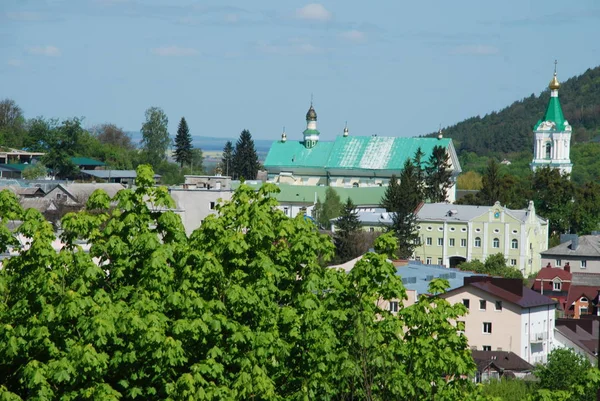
column 510, row 130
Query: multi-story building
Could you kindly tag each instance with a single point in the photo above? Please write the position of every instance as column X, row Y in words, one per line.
column 349, row 161
column 503, row 315
column 582, row 253
column 452, row 234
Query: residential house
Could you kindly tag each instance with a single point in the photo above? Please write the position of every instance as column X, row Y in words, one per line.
column 503, row 315
column 452, row 234
column 77, row 193
column 125, row 177
column 581, row 252
column 554, row 283
column 349, row 161
column 494, row 365
column 583, row 295
column 87, row 163
column 580, row 335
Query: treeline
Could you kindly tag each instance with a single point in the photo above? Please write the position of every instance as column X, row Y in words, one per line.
column 108, row 143
column 240, row 162
column 510, row 130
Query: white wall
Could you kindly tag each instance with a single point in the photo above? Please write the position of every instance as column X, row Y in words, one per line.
column 537, row 321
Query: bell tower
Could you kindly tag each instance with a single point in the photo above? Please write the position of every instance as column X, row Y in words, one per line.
column 311, row 134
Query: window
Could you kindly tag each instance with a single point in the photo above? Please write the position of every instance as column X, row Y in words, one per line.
column 463, row 242
column 557, row 285
column 440, row 241
column 482, row 304
column 477, row 242
column 498, row 305
column 487, row 327
column 429, row 228
column 466, row 303
column 583, row 264
column 440, row 228
column 513, row 262
column 496, row 243
column 464, row 230
column 496, row 230
column 548, row 150
column 428, row 241
column 393, row 306
column 418, row 258
column 478, row 230
column 372, row 230
column 514, row 231
column 428, row 261
column 212, row 205
column 558, row 262
column 440, row 261
column 451, row 242
column 514, row 244
column 285, row 211
column 452, row 229
column 487, row 347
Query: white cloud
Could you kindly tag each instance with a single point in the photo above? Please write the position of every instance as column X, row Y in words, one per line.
column 14, row 62
column 174, row 51
column 313, row 12
column 24, row 16
column 50, row 51
column 293, row 47
column 354, row 36
column 475, row 50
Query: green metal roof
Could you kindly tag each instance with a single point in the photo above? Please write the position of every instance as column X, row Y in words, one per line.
column 352, row 152
column 18, row 166
column 361, row 196
column 554, row 114
column 86, row 161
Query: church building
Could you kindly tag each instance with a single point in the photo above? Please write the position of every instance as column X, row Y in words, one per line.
column 552, row 135
column 349, row 161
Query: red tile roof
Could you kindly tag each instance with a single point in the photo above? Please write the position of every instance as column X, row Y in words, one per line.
column 578, row 291
column 547, row 275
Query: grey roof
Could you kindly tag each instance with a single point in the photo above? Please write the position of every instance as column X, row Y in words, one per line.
column 417, row 276
column 586, row 279
column 40, row 204
column 450, row 212
column 378, row 216
column 81, row 192
column 106, row 174
column 589, row 245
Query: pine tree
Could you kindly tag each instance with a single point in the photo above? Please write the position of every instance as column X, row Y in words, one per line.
column 491, row 184
column 404, row 220
column 420, row 170
column 390, row 199
column 439, row 176
column 245, row 158
column 329, row 209
column 183, row 144
column 347, row 232
column 227, row 159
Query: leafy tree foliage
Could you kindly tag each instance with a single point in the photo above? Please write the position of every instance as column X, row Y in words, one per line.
column 438, row 177
column 240, row 310
column 197, row 162
column 183, row 144
column 491, row 189
column 566, row 371
column 509, row 389
column 329, row 209
column 347, row 232
column 553, row 196
column 155, row 136
column 495, row 265
column 111, row 135
column 227, row 159
column 245, row 158
column 471, row 180
column 12, row 124
column 35, row 171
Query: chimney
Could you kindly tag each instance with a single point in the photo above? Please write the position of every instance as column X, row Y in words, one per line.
column 549, row 265
column 568, row 267
column 574, row 243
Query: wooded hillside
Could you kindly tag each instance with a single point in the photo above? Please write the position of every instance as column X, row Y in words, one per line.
column 510, row 130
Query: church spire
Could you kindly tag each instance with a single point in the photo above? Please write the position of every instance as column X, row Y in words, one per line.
column 311, row 134
column 554, row 84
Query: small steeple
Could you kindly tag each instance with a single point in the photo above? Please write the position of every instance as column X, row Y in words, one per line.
column 283, row 136
column 554, row 84
column 346, row 129
column 311, row 134
column 440, row 135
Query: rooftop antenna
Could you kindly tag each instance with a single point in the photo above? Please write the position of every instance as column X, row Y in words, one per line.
column 555, row 62
column 311, row 99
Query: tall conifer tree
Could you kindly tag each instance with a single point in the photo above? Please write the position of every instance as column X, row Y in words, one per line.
column 245, row 158
column 439, row 176
column 183, row 144
column 347, row 230
column 227, row 159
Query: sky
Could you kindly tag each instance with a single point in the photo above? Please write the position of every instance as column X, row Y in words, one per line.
column 386, row 67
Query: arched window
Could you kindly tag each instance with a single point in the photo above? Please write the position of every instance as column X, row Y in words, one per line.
column 548, row 150
column 477, row 242
column 496, row 243
column 514, row 244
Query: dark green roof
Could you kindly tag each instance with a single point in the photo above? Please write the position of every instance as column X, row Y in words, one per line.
column 86, row 161
column 352, row 152
column 18, row 166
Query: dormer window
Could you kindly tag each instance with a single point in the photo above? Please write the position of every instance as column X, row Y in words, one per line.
column 557, row 285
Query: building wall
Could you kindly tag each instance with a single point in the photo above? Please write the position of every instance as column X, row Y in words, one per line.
column 537, row 328
column 531, row 238
column 194, row 205
column 560, row 341
column 506, row 331
column 592, row 265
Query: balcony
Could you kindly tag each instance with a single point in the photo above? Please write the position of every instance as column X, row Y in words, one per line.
column 538, row 337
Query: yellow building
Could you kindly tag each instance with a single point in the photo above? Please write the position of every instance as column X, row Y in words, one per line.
column 451, row 234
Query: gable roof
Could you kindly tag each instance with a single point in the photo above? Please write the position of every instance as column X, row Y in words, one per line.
column 578, row 291
column 353, row 153
column 504, row 360
column 588, row 246
column 547, row 276
column 80, row 192
column 86, row 161
column 581, row 332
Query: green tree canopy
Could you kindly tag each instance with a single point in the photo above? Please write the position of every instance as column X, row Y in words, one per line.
column 155, row 136
column 438, row 177
column 227, row 159
column 183, row 144
column 495, row 265
column 347, row 233
column 329, row 209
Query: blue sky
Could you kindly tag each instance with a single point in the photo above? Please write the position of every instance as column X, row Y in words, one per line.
column 393, row 68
